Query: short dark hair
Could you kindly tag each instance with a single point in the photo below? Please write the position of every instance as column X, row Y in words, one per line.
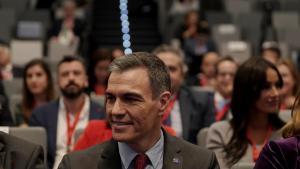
column 164, row 48
column 157, row 71
column 223, row 59
column 70, row 58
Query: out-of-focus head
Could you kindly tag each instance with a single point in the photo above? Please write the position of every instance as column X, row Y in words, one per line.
column 37, row 80
column 5, row 57
column 290, row 76
column 72, row 78
column 271, row 52
column 101, row 68
column 292, row 128
column 192, row 18
column 117, row 52
column 138, row 91
column 256, row 89
column 208, row 65
column 226, row 68
column 174, row 60
column 69, row 8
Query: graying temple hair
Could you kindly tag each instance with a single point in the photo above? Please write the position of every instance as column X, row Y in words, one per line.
column 157, row 71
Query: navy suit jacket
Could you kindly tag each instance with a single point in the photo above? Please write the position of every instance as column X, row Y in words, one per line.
column 197, row 111
column 47, row 117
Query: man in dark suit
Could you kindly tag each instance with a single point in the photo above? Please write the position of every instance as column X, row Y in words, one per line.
column 71, row 112
column 138, row 92
column 19, row 154
column 189, row 110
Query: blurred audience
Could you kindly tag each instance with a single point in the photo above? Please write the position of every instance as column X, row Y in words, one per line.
column 207, row 77
column 67, row 30
column 195, row 40
column 71, row 112
column 7, row 70
column 189, row 110
column 183, row 6
column 271, row 52
column 255, row 104
column 38, row 89
column 100, row 63
column 291, row 83
column 226, row 68
column 283, row 153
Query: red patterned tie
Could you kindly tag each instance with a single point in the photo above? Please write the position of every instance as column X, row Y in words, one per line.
column 141, row 161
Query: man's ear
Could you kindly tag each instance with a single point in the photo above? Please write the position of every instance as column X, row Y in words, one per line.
column 164, row 99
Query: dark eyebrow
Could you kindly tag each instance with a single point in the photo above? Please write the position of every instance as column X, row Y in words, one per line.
column 134, row 95
column 128, row 94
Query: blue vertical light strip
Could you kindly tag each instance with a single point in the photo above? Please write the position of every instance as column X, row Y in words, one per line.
column 125, row 26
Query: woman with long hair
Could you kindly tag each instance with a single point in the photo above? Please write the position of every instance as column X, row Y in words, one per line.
column 284, row 153
column 255, row 105
column 37, row 89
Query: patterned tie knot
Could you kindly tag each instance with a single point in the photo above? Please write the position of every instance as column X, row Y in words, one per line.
column 141, row 161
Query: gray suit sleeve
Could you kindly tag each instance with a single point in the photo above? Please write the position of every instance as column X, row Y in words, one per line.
column 64, row 164
column 37, row 160
column 214, row 162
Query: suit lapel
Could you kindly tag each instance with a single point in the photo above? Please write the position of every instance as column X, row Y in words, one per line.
column 185, row 111
column 52, row 127
column 110, row 157
column 172, row 157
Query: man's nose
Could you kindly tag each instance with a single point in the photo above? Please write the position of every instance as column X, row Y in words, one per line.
column 117, row 108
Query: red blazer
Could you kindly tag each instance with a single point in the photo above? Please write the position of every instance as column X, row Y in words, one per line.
column 98, row 131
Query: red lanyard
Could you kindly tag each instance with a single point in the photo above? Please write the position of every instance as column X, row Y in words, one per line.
column 71, row 129
column 255, row 151
column 169, row 108
column 222, row 113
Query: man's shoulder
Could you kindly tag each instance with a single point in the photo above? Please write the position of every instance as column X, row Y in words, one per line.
column 47, row 107
column 196, row 95
column 187, row 147
column 90, row 153
column 193, row 156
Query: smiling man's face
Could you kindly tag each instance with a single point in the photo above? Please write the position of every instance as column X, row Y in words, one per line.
column 133, row 113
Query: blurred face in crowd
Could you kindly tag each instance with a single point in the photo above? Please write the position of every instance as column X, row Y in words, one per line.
column 270, row 56
column 269, row 101
column 117, row 53
column 133, row 112
column 101, row 71
column 72, row 79
column 4, row 56
column 174, row 64
column 208, row 64
column 192, row 18
column 224, row 78
column 288, row 80
column 69, row 8
column 36, row 80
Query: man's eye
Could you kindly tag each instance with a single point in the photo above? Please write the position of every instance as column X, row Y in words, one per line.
column 109, row 98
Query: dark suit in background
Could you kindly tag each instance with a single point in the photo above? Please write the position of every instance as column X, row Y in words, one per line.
column 197, row 111
column 19, row 154
column 5, row 115
column 178, row 154
column 47, row 116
